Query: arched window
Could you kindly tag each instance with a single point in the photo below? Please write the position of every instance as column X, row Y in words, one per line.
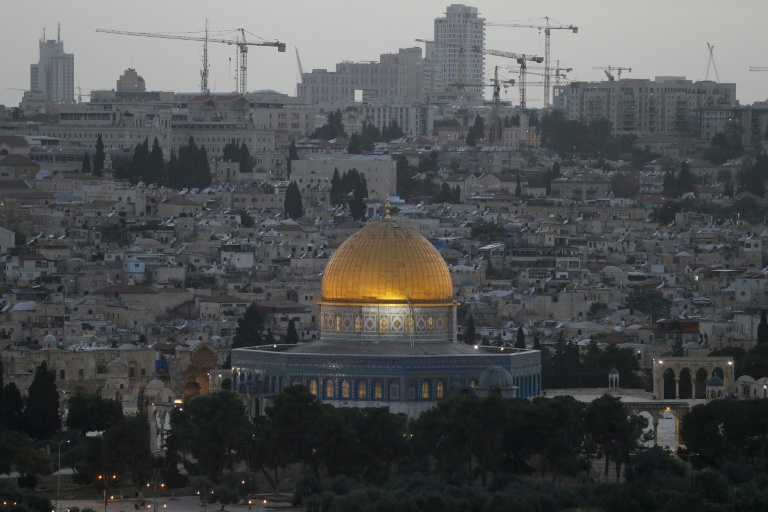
column 473, row 383
column 313, row 386
column 425, row 390
column 440, row 389
column 362, row 389
column 329, row 391
column 377, row 390
column 358, row 323
column 345, row 388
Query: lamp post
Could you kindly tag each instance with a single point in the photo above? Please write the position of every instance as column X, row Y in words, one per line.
column 690, row 468
column 58, row 472
column 105, row 478
column 161, row 486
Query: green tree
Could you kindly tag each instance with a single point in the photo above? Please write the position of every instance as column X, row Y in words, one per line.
column 649, row 301
column 762, row 328
column 86, row 166
column 520, row 341
column 99, row 157
column 125, row 450
column 250, row 328
column 11, row 408
column 338, row 196
column 155, row 170
column 469, row 333
column 88, row 412
column 293, row 205
column 231, row 152
column 211, row 428
column 334, row 127
column 17, row 453
column 292, row 336
column 614, row 431
column 354, row 147
column 41, row 411
column 246, row 220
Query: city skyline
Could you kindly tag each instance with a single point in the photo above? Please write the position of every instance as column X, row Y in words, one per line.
column 658, row 39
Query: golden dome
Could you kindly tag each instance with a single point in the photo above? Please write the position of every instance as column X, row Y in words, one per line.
column 387, row 263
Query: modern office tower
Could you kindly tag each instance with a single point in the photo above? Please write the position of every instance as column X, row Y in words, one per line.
column 458, row 47
column 54, row 74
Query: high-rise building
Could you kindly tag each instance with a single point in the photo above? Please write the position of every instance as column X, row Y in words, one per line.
column 458, row 47
column 54, row 74
column 667, row 105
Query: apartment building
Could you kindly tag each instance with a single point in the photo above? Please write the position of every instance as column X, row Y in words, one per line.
column 666, row 105
column 401, row 76
column 455, row 38
column 54, row 73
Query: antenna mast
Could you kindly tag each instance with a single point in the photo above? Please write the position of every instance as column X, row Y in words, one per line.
column 204, row 72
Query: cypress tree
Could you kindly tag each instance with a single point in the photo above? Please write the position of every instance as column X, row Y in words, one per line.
column 155, row 164
column 292, row 336
column 99, row 157
column 86, row 166
column 469, row 333
column 293, row 207
column 41, row 412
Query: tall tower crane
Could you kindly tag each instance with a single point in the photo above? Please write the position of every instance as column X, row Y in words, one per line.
column 618, row 70
column 240, row 42
column 547, row 28
column 520, row 58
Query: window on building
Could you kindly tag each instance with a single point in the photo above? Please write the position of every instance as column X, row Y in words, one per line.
column 345, row 388
column 329, row 391
column 362, row 389
column 62, row 374
column 378, row 391
column 440, row 389
column 313, row 386
column 425, row 390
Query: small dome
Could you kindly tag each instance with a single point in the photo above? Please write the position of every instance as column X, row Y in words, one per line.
column 155, row 385
column 50, row 338
column 613, row 371
column 715, row 381
column 495, row 377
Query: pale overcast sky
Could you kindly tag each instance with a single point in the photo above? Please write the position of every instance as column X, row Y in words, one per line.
column 653, row 37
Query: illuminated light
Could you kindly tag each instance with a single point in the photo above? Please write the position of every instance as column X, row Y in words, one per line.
column 730, row 362
column 475, row 347
column 661, row 362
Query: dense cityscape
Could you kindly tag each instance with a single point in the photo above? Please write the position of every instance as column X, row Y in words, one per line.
column 393, row 290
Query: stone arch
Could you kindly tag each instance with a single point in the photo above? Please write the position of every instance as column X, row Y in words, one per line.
column 661, row 366
column 226, row 384
column 686, row 386
column 202, row 361
column 670, row 384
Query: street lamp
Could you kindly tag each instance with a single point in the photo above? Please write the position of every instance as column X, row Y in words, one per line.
column 58, row 472
column 161, row 486
column 690, row 468
column 105, row 478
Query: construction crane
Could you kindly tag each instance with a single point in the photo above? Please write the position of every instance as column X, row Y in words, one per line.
column 240, row 42
column 547, row 28
column 520, row 58
column 758, row 68
column 617, row 69
column 711, row 62
column 497, row 85
column 80, row 94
